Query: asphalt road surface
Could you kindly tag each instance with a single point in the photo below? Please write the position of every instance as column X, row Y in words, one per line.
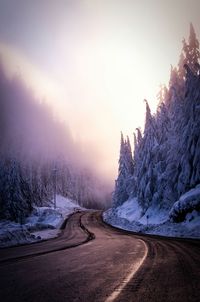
column 94, row 262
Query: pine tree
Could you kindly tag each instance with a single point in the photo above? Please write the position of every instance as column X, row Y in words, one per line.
column 125, row 172
column 16, row 207
column 166, row 156
column 191, row 50
column 147, row 156
column 181, row 69
column 190, row 135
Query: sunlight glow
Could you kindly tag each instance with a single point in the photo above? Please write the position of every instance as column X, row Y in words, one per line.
column 96, row 61
column 16, row 63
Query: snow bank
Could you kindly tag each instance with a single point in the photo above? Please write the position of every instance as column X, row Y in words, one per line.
column 129, row 210
column 43, row 223
column 48, row 217
column 187, row 203
column 132, row 211
column 43, row 217
column 155, row 221
column 12, row 233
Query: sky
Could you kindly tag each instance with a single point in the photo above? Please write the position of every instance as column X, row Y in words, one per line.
column 95, row 61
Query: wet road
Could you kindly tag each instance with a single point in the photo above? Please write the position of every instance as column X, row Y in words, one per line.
column 94, row 262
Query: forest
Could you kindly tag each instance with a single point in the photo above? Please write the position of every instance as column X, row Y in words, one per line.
column 39, row 157
column 165, row 162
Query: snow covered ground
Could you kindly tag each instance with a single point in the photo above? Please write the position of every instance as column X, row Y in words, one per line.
column 43, row 223
column 129, row 217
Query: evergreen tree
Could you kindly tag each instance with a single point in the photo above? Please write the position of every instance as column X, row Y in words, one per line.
column 146, row 177
column 15, row 206
column 192, row 54
column 166, row 157
column 125, row 172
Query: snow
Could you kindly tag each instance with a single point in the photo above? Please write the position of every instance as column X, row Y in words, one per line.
column 130, row 210
column 43, row 223
column 42, row 217
column 187, row 203
column 51, row 219
column 12, row 233
column 155, row 221
column 154, row 216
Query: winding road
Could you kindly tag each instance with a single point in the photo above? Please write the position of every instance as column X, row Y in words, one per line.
column 93, row 262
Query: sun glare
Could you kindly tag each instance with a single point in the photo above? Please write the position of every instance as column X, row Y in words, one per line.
column 103, row 61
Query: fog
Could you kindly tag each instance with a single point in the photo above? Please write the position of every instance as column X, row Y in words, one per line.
column 96, row 60
column 32, row 135
column 88, row 65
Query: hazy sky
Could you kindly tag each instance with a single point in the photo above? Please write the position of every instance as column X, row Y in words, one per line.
column 96, row 60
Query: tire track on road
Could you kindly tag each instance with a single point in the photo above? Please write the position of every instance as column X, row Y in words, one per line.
column 90, row 236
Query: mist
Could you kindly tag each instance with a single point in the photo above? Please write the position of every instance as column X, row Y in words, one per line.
column 95, row 61
column 34, row 143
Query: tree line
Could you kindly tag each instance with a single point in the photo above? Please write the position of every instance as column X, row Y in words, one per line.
column 34, row 145
column 166, row 159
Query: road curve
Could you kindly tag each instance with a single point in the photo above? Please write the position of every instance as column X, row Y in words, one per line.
column 92, row 261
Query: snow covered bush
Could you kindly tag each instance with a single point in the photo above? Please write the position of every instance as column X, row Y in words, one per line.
column 187, row 203
column 42, row 218
column 12, row 233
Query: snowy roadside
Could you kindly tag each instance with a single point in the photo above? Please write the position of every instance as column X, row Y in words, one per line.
column 129, row 217
column 43, row 223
